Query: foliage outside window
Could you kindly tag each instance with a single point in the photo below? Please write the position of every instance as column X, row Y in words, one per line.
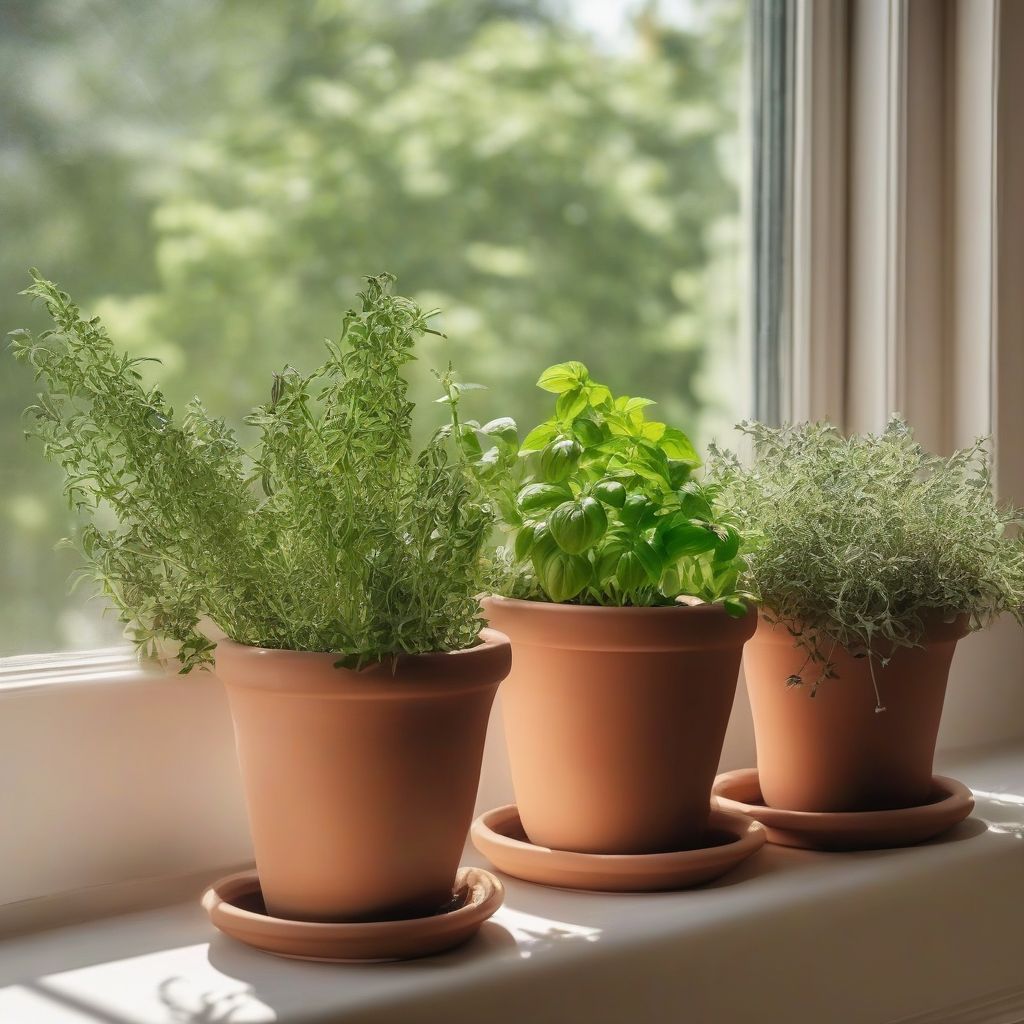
column 213, row 180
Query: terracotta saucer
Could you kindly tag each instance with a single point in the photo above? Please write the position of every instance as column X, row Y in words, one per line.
column 950, row 803
column 500, row 837
column 235, row 906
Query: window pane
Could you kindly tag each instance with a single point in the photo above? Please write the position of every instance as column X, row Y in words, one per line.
column 566, row 180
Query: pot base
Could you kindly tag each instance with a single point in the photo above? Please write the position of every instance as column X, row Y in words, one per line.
column 235, row 906
column 950, row 803
column 732, row 838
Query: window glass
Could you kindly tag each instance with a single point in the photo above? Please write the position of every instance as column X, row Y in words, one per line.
column 566, row 180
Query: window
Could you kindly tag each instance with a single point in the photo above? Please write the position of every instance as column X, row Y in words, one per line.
column 565, row 179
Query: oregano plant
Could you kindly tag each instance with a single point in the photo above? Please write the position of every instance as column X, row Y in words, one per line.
column 601, row 505
column 859, row 541
column 331, row 533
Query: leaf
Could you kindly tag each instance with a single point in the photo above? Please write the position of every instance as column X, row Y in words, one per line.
column 559, row 459
column 611, row 492
column 539, row 497
column 570, row 404
column 687, row 539
column 649, row 559
column 503, row 428
column 562, row 575
column 524, row 540
column 563, row 377
column 693, row 501
column 652, row 430
column 630, row 573
column 587, row 432
column 729, row 546
column 469, row 441
column 676, row 445
column 625, row 404
column 578, row 525
column 537, row 438
column 635, row 509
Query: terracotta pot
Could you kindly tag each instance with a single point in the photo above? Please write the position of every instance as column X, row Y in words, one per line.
column 615, row 719
column 834, row 751
column 360, row 786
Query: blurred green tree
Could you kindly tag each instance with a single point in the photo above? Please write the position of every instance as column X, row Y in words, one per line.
column 217, row 176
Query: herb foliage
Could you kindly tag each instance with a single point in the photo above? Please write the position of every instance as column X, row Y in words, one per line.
column 601, row 504
column 331, row 534
column 859, row 541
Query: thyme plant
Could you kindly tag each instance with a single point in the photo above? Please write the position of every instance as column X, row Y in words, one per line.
column 860, row 541
column 601, row 504
column 330, row 534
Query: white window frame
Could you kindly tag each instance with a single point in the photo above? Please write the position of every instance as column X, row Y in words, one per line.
column 908, row 158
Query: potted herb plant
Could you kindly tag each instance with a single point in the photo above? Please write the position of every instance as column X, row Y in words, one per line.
column 619, row 593
column 329, row 573
column 871, row 558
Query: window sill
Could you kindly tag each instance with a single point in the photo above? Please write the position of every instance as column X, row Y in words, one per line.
column 791, row 935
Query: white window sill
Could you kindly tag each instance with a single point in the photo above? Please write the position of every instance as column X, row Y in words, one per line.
column 791, row 935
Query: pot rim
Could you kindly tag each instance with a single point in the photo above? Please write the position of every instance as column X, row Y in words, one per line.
column 674, row 627
column 936, row 630
column 682, row 605
column 431, row 674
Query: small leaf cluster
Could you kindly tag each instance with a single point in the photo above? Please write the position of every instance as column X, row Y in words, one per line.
column 602, row 505
column 330, row 534
column 859, row 542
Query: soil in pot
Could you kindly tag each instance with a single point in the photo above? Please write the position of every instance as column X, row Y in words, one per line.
column 615, row 719
column 835, row 751
column 360, row 786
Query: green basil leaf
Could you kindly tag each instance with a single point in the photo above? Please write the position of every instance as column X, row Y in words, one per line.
column 608, row 561
column 729, row 547
column 578, row 525
column 652, row 430
column 540, row 436
column 611, row 492
column 563, row 377
column 504, row 429
column 676, row 445
column 687, row 539
column 634, row 509
column 627, row 405
column 469, row 442
column 649, row 558
column 587, row 432
column 694, row 502
column 630, row 572
column 570, row 404
column 559, row 460
column 524, row 541
column 538, row 497
column 562, row 575
column 678, row 473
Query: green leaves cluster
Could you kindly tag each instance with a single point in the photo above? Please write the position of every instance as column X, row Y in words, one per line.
column 602, row 505
column 859, row 541
column 331, row 534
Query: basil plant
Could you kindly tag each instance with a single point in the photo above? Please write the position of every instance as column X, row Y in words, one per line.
column 601, row 504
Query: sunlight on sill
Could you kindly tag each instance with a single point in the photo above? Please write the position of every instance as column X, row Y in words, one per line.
column 1002, row 799
column 533, row 933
